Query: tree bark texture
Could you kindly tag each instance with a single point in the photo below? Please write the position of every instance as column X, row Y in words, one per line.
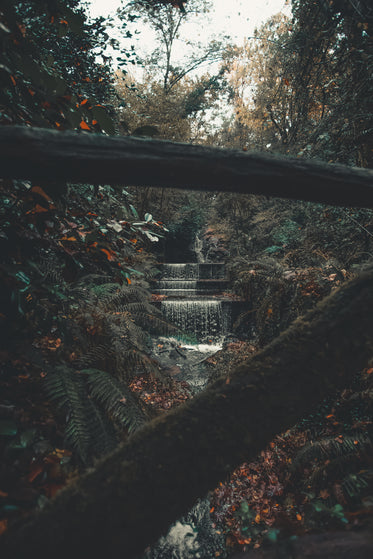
column 133, row 494
column 42, row 154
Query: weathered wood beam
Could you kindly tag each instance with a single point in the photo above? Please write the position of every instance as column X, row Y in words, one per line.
column 41, row 154
column 132, row 495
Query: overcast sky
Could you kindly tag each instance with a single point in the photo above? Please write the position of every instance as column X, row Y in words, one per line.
column 234, row 17
column 237, row 18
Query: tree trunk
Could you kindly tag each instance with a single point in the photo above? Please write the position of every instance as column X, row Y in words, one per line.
column 133, row 494
column 39, row 154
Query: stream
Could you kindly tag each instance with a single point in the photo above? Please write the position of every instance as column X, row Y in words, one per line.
column 192, row 303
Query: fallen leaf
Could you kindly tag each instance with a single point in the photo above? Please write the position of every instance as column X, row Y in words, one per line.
column 3, row 526
column 84, row 126
column 35, row 472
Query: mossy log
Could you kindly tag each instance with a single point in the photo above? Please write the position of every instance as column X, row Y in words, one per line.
column 132, row 495
column 42, row 155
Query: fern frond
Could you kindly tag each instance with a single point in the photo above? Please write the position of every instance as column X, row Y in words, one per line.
column 355, row 484
column 116, row 398
column 156, row 324
column 96, row 353
column 104, row 438
column 68, row 388
column 330, row 448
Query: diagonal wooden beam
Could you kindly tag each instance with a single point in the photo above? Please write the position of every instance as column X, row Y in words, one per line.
column 41, row 154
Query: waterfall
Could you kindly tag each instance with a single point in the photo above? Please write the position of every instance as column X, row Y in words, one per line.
column 180, row 271
column 198, row 246
column 177, row 288
column 203, row 318
column 188, row 288
column 181, row 283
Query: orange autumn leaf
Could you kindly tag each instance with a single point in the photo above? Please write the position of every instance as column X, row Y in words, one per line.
column 128, row 281
column 40, row 191
column 369, row 371
column 39, row 209
column 94, row 122
column 84, row 126
column 22, row 29
column 31, row 92
column 3, row 526
column 286, row 81
column 68, row 239
column 84, row 101
column 299, row 517
column 109, row 253
column 13, row 80
column 212, row 510
column 257, row 518
column 35, row 472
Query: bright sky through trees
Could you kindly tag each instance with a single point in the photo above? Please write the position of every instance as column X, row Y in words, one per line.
column 237, row 18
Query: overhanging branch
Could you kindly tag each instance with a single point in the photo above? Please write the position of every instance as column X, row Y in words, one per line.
column 42, row 154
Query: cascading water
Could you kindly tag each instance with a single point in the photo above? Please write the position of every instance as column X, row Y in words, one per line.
column 200, row 316
column 198, row 249
column 180, row 271
column 177, row 288
column 189, row 306
column 203, row 318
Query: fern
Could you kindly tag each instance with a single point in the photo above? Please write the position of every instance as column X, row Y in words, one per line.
column 68, row 388
column 337, row 461
column 116, row 398
column 330, row 448
column 354, row 484
column 111, row 324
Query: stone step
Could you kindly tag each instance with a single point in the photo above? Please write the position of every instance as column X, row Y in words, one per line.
column 187, row 288
column 192, row 270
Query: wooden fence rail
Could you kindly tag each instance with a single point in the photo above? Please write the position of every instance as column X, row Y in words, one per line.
column 41, row 154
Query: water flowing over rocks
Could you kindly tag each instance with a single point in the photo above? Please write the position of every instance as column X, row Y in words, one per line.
column 192, row 299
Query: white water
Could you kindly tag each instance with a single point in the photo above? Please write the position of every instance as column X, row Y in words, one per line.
column 198, row 246
column 203, row 318
column 193, row 536
column 180, row 271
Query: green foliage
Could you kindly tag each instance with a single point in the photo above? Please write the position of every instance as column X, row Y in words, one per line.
column 116, row 398
column 183, row 231
column 286, row 234
column 87, row 430
column 51, row 77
